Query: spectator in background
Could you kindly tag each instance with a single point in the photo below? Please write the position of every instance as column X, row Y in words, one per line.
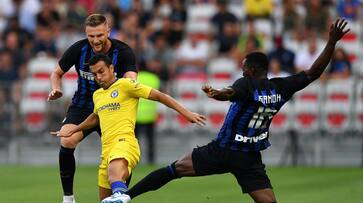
column 67, row 37
column 178, row 18
column 340, row 67
column 44, row 41
column 159, row 58
column 249, row 41
column 76, row 14
column 12, row 45
column 172, row 35
column 191, row 56
column 13, row 26
column 291, row 17
column 147, row 112
column 112, row 7
column 275, row 69
column 27, row 11
column 228, row 41
column 258, row 9
column 9, row 77
column 222, row 16
column 48, row 15
column 285, row 57
column 317, row 17
column 348, row 9
column 305, row 57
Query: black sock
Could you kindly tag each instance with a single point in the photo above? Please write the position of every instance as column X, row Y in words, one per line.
column 153, row 181
column 128, row 180
column 67, row 168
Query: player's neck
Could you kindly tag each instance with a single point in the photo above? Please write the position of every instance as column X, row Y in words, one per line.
column 110, row 84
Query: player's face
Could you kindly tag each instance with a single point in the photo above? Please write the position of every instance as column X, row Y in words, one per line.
column 98, row 36
column 245, row 69
column 103, row 75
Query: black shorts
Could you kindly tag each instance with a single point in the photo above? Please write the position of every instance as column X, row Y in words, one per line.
column 247, row 167
column 76, row 115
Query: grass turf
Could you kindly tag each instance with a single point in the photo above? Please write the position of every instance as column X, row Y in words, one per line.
column 29, row 184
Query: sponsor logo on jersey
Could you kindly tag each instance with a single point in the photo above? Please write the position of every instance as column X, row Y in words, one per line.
column 255, row 139
column 86, row 75
column 110, row 107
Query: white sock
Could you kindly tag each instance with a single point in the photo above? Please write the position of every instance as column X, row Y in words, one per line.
column 68, row 198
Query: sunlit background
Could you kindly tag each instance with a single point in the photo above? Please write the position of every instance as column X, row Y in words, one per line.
column 187, row 44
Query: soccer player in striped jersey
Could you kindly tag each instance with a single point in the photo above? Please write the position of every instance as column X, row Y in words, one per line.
column 78, row 55
column 245, row 132
column 115, row 108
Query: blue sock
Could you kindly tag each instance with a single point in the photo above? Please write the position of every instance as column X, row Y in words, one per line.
column 118, row 187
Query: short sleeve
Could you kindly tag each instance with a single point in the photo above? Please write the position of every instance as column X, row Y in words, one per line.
column 126, row 61
column 136, row 89
column 70, row 56
column 291, row 84
column 240, row 87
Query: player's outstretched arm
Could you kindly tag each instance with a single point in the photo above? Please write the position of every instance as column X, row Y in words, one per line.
column 170, row 102
column 336, row 32
column 90, row 122
column 224, row 94
column 56, row 79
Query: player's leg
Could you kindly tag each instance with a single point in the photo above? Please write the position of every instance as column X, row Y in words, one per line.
column 120, row 158
column 202, row 161
column 67, row 165
column 263, row 196
column 104, row 192
column 251, row 175
column 117, row 175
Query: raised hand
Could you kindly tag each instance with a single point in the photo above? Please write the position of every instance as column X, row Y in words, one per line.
column 337, row 31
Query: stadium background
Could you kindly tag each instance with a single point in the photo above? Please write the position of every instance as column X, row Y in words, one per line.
column 179, row 41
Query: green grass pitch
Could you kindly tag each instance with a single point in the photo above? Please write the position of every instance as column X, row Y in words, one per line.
column 29, row 184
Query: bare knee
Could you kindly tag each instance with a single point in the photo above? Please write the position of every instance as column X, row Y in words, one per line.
column 69, row 142
column 263, row 196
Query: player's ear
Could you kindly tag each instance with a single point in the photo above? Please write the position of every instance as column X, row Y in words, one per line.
column 112, row 68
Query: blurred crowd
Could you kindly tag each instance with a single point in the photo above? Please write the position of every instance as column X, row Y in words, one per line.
column 169, row 39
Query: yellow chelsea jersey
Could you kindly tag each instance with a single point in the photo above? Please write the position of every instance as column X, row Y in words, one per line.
column 116, row 108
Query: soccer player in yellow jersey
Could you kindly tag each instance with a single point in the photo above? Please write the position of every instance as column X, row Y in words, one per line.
column 115, row 108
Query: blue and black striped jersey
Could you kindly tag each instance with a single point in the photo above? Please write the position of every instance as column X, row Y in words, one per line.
column 78, row 55
column 246, row 126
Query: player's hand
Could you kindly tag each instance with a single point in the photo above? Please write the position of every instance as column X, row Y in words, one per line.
column 196, row 118
column 337, row 31
column 62, row 133
column 209, row 91
column 55, row 94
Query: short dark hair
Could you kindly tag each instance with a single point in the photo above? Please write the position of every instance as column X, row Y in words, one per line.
column 257, row 61
column 100, row 57
column 94, row 20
